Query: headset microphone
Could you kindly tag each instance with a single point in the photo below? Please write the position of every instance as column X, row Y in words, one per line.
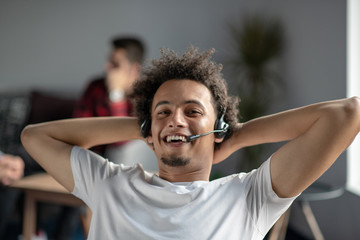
column 193, row 137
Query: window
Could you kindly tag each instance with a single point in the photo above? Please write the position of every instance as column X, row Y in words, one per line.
column 353, row 89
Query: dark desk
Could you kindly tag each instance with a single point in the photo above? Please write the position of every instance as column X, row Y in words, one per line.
column 44, row 188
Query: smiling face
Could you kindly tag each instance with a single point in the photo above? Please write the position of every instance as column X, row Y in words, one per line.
column 182, row 108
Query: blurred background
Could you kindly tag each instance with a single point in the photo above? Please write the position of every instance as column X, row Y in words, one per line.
column 56, row 46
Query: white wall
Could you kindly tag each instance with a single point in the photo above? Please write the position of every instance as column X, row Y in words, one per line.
column 59, row 46
column 53, row 45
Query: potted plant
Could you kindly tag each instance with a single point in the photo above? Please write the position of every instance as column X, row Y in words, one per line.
column 257, row 43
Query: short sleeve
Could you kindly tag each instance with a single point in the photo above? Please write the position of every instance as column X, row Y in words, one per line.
column 88, row 169
column 264, row 205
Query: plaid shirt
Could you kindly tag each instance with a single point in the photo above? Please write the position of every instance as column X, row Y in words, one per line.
column 95, row 102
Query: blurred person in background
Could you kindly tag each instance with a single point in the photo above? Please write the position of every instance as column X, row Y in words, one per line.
column 11, row 169
column 107, row 95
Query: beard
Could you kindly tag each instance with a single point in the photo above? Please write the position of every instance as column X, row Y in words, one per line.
column 175, row 161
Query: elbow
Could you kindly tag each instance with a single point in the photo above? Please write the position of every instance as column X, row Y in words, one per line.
column 351, row 113
column 30, row 136
column 352, row 109
column 26, row 135
column 344, row 114
column 33, row 140
column 354, row 104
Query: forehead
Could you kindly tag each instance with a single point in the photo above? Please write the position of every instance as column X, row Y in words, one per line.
column 183, row 91
column 118, row 54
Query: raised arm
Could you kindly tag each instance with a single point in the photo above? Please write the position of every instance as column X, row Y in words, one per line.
column 50, row 143
column 317, row 135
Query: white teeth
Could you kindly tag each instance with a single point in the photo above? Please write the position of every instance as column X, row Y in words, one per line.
column 175, row 138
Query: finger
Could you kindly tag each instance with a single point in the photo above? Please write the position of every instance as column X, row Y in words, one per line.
column 12, row 175
column 5, row 181
column 4, row 162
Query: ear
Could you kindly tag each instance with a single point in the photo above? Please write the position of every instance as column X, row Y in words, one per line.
column 219, row 140
column 149, row 141
column 149, row 138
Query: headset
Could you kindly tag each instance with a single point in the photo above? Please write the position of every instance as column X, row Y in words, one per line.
column 220, row 129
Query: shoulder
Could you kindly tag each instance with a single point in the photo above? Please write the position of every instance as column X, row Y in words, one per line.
column 260, row 173
column 85, row 160
column 255, row 183
column 96, row 84
column 92, row 171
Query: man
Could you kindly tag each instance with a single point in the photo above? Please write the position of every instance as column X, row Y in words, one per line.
column 180, row 101
column 107, row 95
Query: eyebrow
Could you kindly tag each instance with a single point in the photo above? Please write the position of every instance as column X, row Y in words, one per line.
column 185, row 102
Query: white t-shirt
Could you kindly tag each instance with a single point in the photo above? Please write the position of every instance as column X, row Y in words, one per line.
column 130, row 203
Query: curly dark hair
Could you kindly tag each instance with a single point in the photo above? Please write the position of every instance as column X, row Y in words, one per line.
column 192, row 65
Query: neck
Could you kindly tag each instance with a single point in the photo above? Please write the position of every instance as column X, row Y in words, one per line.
column 183, row 174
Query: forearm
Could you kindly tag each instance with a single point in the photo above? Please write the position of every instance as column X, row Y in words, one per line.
column 50, row 143
column 87, row 132
column 290, row 124
column 337, row 119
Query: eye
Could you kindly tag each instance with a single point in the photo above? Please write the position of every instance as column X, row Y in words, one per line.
column 114, row 64
column 163, row 113
column 194, row 113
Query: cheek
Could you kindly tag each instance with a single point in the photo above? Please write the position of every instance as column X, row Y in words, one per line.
column 154, row 132
column 205, row 125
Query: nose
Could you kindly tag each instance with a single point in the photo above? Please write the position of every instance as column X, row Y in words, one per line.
column 177, row 119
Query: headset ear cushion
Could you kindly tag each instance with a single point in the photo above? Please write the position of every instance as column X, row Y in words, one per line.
column 145, row 128
column 220, row 124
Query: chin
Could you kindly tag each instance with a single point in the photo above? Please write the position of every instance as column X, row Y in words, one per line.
column 175, row 161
